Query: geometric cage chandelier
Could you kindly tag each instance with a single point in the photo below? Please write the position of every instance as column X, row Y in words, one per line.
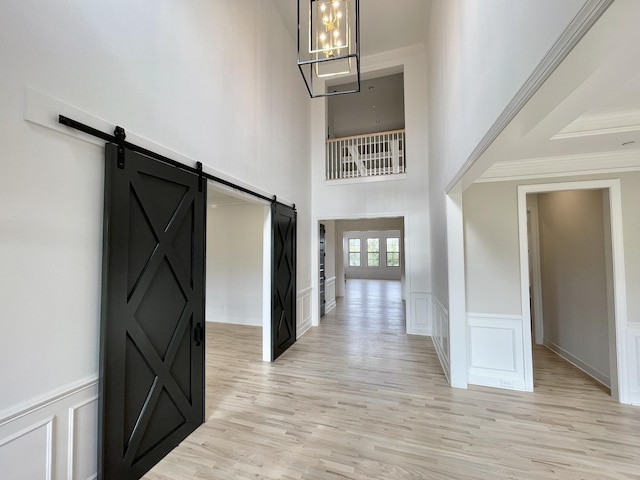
column 329, row 46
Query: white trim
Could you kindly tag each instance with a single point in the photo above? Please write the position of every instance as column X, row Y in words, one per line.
column 458, row 362
column 420, row 320
column 499, row 316
column 48, row 422
column 331, row 304
column 305, row 291
column 71, row 450
column 440, row 322
column 303, row 305
column 601, row 124
column 369, row 61
column 315, row 252
column 266, row 285
column 536, row 273
column 579, row 26
column 619, row 279
column 566, row 165
column 600, row 377
column 368, row 179
column 43, row 110
column 48, row 399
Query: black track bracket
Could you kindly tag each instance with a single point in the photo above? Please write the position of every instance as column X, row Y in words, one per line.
column 120, row 135
column 200, row 177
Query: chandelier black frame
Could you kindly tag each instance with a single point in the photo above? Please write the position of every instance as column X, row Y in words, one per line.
column 309, row 64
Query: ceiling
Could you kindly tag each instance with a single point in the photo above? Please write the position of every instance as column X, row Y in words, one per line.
column 220, row 196
column 378, row 107
column 585, row 117
column 380, row 104
column 382, row 29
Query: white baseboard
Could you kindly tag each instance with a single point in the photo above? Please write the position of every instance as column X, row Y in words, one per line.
column 601, row 377
column 329, row 306
column 254, row 322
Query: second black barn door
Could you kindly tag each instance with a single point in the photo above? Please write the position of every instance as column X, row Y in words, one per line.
column 152, row 332
column 283, row 278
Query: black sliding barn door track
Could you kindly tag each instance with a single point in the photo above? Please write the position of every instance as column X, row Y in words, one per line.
column 118, row 138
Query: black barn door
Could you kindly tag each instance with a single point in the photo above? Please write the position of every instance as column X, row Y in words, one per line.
column 283, row 278
column 152, row 332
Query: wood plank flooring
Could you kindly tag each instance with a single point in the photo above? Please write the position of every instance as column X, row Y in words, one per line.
column 357, row 398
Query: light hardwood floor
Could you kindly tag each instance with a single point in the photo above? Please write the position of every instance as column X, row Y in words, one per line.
column 357, row 398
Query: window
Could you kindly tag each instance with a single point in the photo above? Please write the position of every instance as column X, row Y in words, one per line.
column 354, row 252
column 393, row 252
column 373, row 252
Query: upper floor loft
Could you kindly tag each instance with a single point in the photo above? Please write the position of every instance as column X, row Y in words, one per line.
column 365, row 131
column 369, row 155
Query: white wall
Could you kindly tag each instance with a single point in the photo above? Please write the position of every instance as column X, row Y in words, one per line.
column 406, row 197
column 215, row 81
column 234, row 264
column 574, row 278
column 480, row 54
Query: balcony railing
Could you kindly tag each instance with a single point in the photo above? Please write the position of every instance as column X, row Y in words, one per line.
column 366, row 155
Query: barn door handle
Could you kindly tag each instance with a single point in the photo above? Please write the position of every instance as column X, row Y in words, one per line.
column 197, row 334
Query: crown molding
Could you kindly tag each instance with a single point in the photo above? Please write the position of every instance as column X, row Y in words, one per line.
column 393, row 56
column 591, row 11
column 601, row 124
column 561, row 166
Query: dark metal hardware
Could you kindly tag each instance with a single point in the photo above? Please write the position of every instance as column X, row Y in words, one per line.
column 136, row 148
column 198, row 333
column 120, row 135
column 200, row 177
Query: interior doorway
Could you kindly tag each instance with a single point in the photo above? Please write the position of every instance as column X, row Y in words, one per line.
column 360, row 250
column 573, row 280
column 572, row 268
column 251, row 266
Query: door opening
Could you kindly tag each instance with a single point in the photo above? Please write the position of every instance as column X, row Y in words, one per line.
column 573, row 282
column 367, row 248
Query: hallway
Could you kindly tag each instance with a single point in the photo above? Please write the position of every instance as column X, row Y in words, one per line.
column 357, row 398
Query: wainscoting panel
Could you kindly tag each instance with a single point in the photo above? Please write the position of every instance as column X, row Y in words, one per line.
column 633, row 352
column 440, row 334
column 54, row 437
column 83, row 442
column 419, row 318
column 495, row 350
column 28, row 453
column 304, row 311
column 330, row 294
